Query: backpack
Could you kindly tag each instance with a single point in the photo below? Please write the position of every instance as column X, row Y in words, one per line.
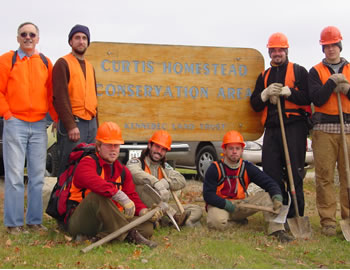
column 14, row 59
column 57, row 205
column 222, row 174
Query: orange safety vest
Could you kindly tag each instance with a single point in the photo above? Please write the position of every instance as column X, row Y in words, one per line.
column 241, row 173
column 78, row 194
column 82, row 92
column 290, row 107
column 331, row 106
column 147, row 170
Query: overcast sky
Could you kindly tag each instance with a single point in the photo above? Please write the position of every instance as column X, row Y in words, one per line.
column 223, row 23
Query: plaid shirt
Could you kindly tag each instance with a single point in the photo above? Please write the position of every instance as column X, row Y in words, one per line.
column 332, row 127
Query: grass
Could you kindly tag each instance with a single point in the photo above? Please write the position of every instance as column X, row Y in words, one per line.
column 239, row 247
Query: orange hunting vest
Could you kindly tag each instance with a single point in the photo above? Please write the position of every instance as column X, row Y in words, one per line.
column 221, row 181
column 331, row 106
column 78, row 194
column 82, row 92
column 160, row 173
column 289, row 81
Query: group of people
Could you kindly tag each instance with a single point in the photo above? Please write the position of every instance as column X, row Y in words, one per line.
column 108, row 199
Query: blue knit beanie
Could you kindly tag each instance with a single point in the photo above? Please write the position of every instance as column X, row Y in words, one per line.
column 79, row 28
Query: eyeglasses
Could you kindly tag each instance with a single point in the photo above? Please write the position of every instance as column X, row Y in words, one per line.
column 25, row 34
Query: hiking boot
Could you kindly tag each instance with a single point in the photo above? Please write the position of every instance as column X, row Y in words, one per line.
column 329, row 230
column 181, row 218
column 37, row 227
column 16, row 230
column 135, row 237
column 282, row 236
column 286, row 227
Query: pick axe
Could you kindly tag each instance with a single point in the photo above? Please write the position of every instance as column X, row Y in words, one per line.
column 161, row 206
column 176, row 199
column 154, row 196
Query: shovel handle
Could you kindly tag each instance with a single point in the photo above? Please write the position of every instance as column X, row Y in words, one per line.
column 122, row 230
column 345, row 146
column 258, row 207
column 286, row 153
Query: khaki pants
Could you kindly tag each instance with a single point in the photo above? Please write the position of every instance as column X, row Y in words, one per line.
column 328, row 150
column 98, row 215
column 218, row 218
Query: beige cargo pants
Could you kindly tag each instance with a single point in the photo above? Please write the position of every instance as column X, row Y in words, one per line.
column 219, row 219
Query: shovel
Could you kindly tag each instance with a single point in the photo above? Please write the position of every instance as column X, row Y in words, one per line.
column 299, row 226
column 278, row 217
column 345, row 223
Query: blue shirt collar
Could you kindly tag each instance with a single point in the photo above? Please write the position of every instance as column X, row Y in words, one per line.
column 22, row 54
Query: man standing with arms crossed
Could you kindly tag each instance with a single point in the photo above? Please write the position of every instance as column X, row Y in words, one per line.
column 288, row 82
column 326, row 79
column 75, row 100
column 25, row 98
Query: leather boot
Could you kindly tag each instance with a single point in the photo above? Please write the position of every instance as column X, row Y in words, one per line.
column 182, row 218
column 135, row 237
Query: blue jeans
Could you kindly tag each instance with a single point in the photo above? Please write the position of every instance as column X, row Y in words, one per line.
column 87, row 129
column 23, row 139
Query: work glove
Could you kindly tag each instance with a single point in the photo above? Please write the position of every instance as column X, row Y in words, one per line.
column 273, row 100
column 162, row 187
column 128, row 205
column 277, row 202
column 231, row 206
column 342, row 88
column 338, row 78
column 285, row 91
column 156, row 216
column 273, row 89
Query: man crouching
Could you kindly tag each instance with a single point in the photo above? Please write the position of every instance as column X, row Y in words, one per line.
column 225, row 189
column 107, row 200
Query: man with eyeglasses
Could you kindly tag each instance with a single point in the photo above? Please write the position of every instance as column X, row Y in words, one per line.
column 75, row 99
column 25, row 99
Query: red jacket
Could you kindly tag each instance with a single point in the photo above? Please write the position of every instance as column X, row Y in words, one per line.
column 86, row 177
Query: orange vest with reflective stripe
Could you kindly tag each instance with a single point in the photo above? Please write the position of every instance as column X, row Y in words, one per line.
column 240, row 190
column 289, row 81
column 160, row 173
column 78, row 194
column 81, row 90
column 331, row 106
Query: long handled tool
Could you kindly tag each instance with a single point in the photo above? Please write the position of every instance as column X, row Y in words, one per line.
column 299, row 226
column 345, row 223
column 122, row 230
column 176, row 199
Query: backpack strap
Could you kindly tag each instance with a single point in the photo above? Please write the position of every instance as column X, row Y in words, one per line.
column 143, row 165
column 241, row 177
column 43, row 58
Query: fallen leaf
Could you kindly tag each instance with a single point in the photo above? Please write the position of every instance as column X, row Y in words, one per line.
column 258, row 249
column 136, row 254
column 8, row 242
column 144, row 261
column 68, row 238
column 17, row 249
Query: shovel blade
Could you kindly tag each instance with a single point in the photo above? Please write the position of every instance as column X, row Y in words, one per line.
column 345, row 228
column 300, row 227
column 282, row 216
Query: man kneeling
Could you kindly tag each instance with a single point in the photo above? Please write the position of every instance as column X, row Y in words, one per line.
column 225, row 188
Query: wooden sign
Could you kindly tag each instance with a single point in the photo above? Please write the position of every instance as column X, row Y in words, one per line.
column 196, row 93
